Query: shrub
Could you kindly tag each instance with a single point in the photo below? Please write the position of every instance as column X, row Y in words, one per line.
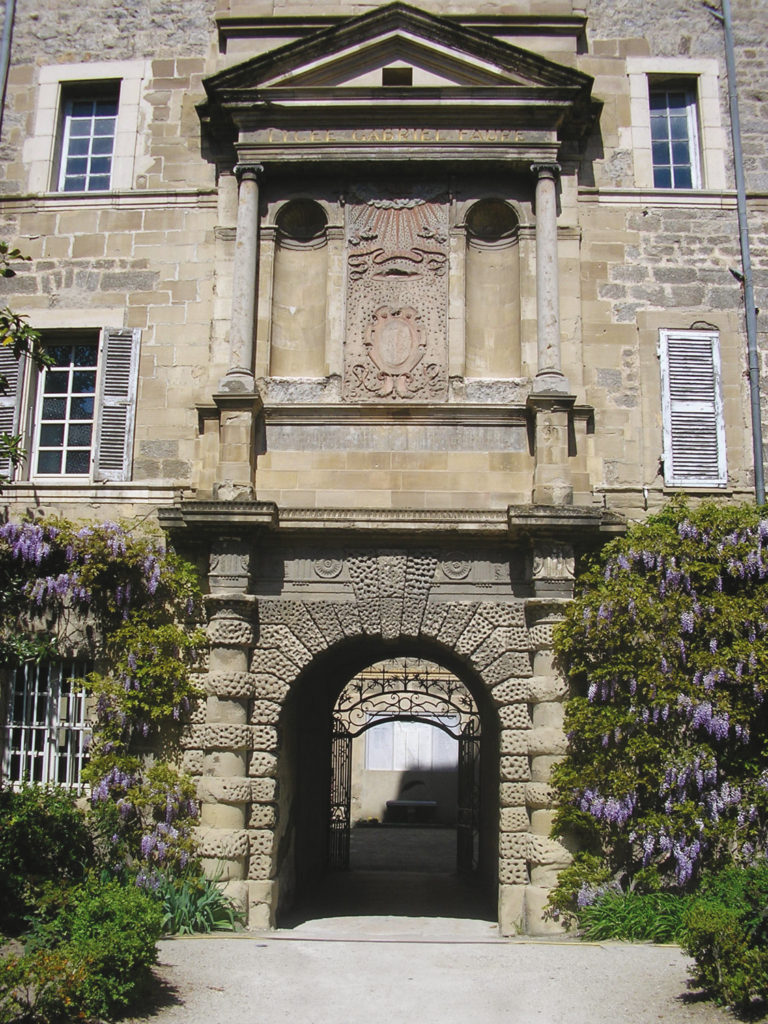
column 43, row 839
column 92, row 961
column 726, row 932
column 665, row 649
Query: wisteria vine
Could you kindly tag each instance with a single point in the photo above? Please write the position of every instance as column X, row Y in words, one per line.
column 116, row 595
column 665, row 647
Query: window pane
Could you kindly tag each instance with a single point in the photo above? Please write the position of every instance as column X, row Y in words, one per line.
column 74, row 185
column 56, row 383
column 77, row 165
column 84, row 381
column 660, row 153
column 82, row 108
column 106, row 108
column 52, row 435
column 662, row 177
column 81, row 409
column 79, row 435
column 104, row 126
column 678, row 127
column 79, row 128
column 82, row 355
column 54, row 408
column 98, row 183
column 681, row 154
column 683, row 178
column 78, row 462
column 102, row 145
column 78, row 147
column 659, row 128
column 49, row 462
column 101, row 164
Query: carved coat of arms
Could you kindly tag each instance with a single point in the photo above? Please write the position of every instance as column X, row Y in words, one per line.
column 397, row 296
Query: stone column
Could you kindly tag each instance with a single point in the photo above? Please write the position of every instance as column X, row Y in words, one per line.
column 549, row 376
column 239, row 377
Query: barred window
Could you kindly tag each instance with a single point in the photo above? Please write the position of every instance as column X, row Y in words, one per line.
column 47, row 726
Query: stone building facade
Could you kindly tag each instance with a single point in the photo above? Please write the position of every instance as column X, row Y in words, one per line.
column 390, row 313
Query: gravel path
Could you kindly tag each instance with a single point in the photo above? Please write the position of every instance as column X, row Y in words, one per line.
column 380, row 970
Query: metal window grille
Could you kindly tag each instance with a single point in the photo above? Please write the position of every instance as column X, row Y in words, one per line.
column 47, row 729
column 88, row 143
column 674, row 136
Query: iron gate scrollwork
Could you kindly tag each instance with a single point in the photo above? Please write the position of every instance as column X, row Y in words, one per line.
column 468, row 819
column 341, row 791
column 406, row 690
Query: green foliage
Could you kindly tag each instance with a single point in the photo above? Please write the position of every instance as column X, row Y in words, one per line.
column 634, row 916
column 193, row 903
column 726, row 932
column 665, row 649
column 26, row 342
column 92, row 961
column 43, row 839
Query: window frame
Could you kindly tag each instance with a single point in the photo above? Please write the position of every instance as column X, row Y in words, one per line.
column 42, row 150
column 688, row 88
column 71, row 93
column 702, row 74
column 52, row 740
column 115, row 397
column 682, row 417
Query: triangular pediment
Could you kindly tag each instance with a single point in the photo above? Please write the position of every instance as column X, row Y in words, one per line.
column 354, row 53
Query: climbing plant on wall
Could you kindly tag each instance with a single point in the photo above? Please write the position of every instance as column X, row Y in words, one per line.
column 120, row 596
column 665, row 648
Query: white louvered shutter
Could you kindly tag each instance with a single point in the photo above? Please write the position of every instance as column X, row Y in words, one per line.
column 11, row 370
column 692, row 408
column 119, row 365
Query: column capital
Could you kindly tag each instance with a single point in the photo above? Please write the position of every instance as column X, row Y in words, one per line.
column 253, row 172
column 547, row 170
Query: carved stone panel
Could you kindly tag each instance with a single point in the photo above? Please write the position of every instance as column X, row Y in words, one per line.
column 397, row 295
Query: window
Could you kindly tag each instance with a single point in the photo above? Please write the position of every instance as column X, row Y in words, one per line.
column 405, row 745
column 674, row 106
column 674, row 134
column 47, row 729
column 692, row 409
column 79, row 411
column 74, row 106
column 88, row 128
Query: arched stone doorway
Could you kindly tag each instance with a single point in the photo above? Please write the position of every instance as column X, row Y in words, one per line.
column 292, row 623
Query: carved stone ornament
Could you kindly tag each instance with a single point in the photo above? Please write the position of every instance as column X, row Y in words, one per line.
column 229, row 567
column 228, row 628
column 455, row 567
column 327, row 568
column 397, row 294
column 555, row 562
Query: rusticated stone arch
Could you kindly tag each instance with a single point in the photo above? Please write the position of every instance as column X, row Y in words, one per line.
column 362, row 605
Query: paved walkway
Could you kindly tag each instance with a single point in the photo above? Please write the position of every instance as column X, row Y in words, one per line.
column 401, row 939
column 424, row 971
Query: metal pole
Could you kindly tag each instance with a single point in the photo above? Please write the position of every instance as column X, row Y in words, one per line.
column 746, row 262
column 5, row 54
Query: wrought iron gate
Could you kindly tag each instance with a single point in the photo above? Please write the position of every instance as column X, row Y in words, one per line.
column 341, row 791
column 468, row 820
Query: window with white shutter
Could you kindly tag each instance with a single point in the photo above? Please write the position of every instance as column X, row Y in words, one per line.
column 82, row 407
column 692, row 409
